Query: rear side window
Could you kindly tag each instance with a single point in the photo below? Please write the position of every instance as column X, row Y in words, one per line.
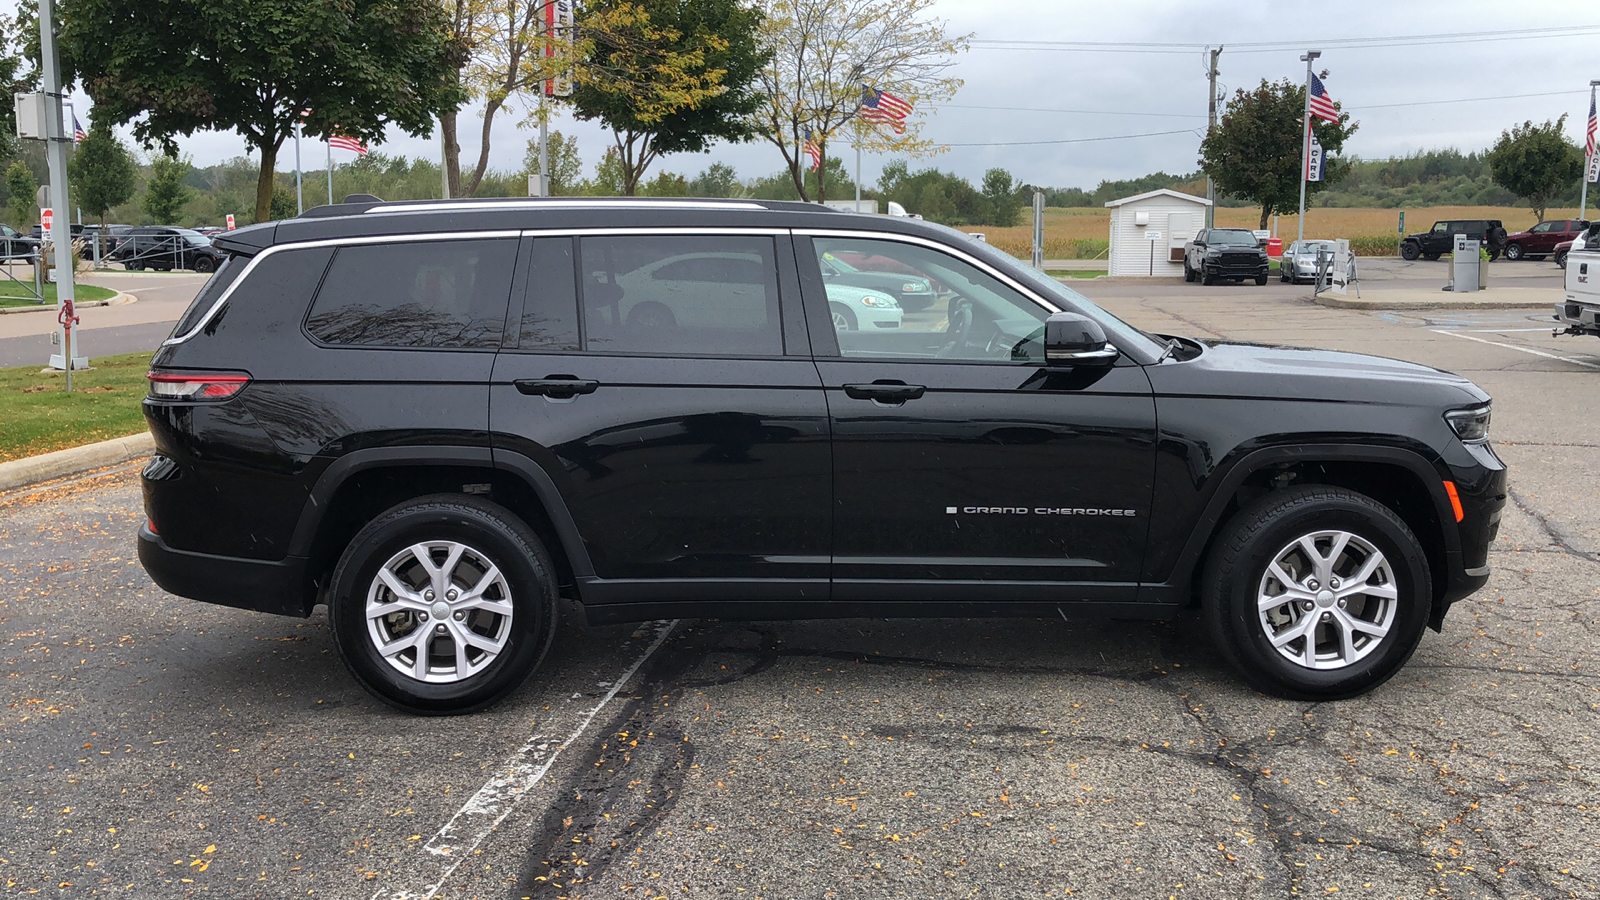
column 692, row 295
column 443, row 294
column 219, row 282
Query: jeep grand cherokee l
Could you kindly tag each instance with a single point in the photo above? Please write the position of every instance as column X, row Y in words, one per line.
column 437, row 418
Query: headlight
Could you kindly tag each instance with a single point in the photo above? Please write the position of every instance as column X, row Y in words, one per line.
column 878, row 300
column 1471, row 425
column 1214, row 251
column 914, row 287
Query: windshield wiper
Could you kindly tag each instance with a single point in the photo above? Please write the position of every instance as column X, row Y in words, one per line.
column 1172, row 344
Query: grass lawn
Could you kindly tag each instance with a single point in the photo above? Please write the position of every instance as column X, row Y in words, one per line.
column 13, row 294
column 37, row 414
column 1076, row 273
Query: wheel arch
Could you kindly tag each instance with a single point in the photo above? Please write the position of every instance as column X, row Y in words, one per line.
column 1400, row 479
column 359, row 486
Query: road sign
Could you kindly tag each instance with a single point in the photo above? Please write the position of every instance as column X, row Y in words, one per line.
column 41, row 197
column 230, row 221
column 46, row 216
column 1152, row 236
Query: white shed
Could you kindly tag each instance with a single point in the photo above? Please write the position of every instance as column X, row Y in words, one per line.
column 1148, row 232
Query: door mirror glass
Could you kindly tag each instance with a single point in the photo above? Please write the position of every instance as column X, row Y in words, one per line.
column 1074, row 340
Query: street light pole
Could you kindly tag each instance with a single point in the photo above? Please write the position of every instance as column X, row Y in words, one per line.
column 1588, row 162
column 61, row 229
column 1305, row 141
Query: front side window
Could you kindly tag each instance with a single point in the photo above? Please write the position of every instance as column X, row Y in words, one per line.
column 1441, row 228
column 445, row 294
column 692, row 295
column 974, row 317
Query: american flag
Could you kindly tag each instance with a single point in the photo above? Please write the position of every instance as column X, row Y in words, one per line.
column 1321, row 103
column 340, row 142
column 1593, row 123
column 78, row 134
column 814, row 151
column 879, row 106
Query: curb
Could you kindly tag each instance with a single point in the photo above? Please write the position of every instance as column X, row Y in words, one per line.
column 119, row 299
column 1337, row 302
column 46, row 466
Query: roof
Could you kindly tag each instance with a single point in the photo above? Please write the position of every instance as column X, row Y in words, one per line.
column 1160, row 192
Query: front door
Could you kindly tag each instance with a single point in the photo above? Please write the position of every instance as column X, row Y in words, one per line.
column 682, row 424
column 960, row 462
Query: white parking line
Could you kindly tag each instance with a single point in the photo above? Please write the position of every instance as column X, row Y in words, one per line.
column 459, row 837
column 1576, row 362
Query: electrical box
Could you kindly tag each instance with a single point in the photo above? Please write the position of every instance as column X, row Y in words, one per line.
column 33, row 116
column 1141, row 217
column 1464, row 264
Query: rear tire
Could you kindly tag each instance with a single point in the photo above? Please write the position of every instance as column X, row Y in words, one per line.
column 479, row 641
column 1513, row 252
column 1430, row 257
column 1260, row 578
column 1188, row 273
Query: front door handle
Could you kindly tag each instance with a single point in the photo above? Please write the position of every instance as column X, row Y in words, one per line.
column 556, row 387
column 885, row 391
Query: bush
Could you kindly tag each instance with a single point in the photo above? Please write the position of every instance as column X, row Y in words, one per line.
column 1375, row 245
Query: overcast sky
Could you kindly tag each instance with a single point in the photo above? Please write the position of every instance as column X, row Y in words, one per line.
column 1119, row 93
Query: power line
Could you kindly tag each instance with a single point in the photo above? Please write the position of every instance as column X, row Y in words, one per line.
column 1082, row 112
column 1465, row 100
column 1344, row 107
column 1376, row 41
column 1114, row 137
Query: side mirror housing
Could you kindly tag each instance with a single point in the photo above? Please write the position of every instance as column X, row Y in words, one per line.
column 1074, row 340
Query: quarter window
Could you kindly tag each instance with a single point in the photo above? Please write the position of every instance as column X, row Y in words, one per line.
column 550, row 312
column 447, row 294
column 710, row 296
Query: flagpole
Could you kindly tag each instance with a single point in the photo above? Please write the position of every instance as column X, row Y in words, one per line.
column 1305, row 149
column 330, row 169
column 299, row 193
column 1588, row 163
column 858, row 168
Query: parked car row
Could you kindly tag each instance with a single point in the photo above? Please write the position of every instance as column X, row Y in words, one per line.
column 159, row 247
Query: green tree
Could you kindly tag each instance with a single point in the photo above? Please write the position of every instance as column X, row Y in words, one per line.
column 665, row 184
column 174, row 67
column 1255, row 152
column 1536, row 162
column 1000, row 190
column 283, row 204
column 671, row 76
column 608, row 176
column 165, row 194
column 719, row 180
column 566, row 166
column 822, row 53
column 21, row 186
column 14, row 78
column 102, row 172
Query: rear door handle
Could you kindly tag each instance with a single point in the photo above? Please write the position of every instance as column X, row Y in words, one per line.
column 884, row 391
column 556, row 387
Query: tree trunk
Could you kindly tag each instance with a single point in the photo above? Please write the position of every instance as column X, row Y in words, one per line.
column 452, row 152
column 492, row 107
column 264, row 182
column 799, row 178
column 822, row 177
column 1266, row 213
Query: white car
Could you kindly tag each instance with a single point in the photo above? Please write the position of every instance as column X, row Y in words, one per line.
column 1299, row 262
column 862, row 309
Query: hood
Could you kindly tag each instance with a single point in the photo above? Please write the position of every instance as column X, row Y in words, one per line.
column 1235, row 369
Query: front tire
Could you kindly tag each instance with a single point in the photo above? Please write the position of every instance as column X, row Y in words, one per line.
column 1409, row 251
column 1261, row 279
column 443, row 605
column 1205, row 275
column 1561, row 258
column 1317, row 593
column 843, row 318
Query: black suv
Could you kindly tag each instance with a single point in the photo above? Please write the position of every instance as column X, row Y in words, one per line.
column 439, row 417
column 1439, row 240
column 164, row 248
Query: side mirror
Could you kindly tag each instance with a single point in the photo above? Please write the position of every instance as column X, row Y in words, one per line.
column 1074, row 340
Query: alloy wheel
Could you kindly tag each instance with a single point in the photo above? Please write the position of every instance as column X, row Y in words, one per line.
column 1327, row 600
column 439, row 612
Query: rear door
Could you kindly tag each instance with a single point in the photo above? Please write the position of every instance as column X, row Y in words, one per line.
column 964, row 470
column 684, row 428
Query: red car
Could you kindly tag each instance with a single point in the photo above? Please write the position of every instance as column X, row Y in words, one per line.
column 1541, row 240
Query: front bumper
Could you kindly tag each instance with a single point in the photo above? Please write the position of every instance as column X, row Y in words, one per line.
column 279, row 587
column 1482, row 491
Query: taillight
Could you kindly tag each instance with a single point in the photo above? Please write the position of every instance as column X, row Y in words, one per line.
column 195, row 385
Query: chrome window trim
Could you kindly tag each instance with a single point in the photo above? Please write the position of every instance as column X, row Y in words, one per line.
column 216, row 305
column 941, row 246
column 597, row 203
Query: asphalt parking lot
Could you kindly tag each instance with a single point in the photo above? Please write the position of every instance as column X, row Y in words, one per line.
column 154, row 747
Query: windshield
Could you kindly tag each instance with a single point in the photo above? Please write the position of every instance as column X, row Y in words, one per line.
column 196, row 239
column 1311, row 247
column 1233, row 238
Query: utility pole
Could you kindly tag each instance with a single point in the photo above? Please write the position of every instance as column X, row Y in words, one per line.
column 1211, row 187
column 1305, row 148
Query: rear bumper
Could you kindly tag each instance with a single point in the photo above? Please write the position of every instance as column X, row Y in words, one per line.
column 279, row 587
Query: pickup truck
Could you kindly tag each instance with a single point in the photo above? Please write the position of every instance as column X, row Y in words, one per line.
column 1580, row 309
column 1224, row 253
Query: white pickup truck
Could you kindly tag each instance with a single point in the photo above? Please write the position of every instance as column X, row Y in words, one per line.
column 1580, row 310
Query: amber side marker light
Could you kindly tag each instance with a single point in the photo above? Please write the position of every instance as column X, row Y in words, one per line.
column 1455, row 500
